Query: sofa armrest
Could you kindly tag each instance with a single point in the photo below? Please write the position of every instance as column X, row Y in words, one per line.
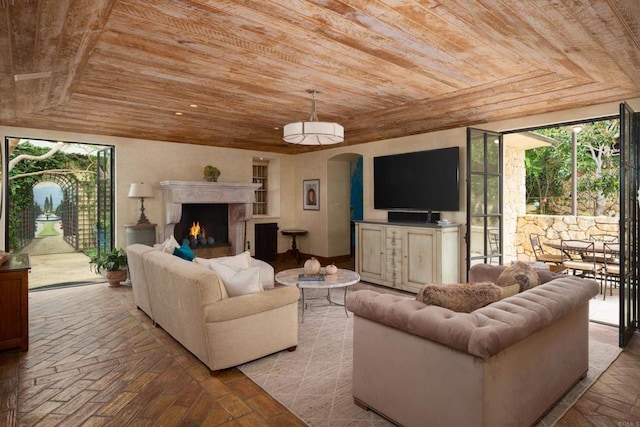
column 246, row 305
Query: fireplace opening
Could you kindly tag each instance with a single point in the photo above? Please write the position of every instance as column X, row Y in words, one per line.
column 203, row 225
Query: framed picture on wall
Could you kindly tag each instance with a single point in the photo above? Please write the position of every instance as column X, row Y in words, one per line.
column 311, row 194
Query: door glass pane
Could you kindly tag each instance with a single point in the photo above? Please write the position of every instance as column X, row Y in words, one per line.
column 493, row 154
column 477, row 153
column 493, row 195
column 477, row 248
column 477, row 195
column 494, row 240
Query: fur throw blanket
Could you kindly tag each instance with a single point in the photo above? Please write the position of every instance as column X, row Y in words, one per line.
column 460, row 297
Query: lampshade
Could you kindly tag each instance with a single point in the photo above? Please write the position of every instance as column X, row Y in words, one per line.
column 140, row 190
column 313, row 132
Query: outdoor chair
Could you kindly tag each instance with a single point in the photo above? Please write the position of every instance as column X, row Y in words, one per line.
column 601, row 239
column 541, row 254
column 581, row 258
column 494, row 245
column 611, row 267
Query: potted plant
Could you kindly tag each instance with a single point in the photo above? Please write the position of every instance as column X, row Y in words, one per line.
column 211, row 173
column 112, row 264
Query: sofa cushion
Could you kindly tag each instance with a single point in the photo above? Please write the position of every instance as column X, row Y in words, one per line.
column 240, row 262
column 508, row 291
column 520, row 273
column 237, row 262
column 460, row 297
column 238, row 281
column 184, row 252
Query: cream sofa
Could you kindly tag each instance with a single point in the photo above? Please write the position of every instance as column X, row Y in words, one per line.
column 505, row 364
column 188, row 301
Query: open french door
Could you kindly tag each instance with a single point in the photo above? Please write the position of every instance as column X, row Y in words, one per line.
column 484, row 197
column 105, row 219
column 629, row 206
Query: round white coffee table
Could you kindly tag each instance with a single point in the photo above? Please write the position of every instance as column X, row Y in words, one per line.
column 342, row 279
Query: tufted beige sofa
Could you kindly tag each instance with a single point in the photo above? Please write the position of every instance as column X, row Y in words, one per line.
column 504, row 364
column 190, row 303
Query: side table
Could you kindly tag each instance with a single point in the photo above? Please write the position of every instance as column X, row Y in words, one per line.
column 294, row 245
column 14, row 302
column 141, row 233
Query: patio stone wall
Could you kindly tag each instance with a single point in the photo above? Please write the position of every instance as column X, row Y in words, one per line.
column 557, row 227
column 515, row 198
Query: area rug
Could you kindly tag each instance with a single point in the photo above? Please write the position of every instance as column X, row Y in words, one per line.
column 314, row 382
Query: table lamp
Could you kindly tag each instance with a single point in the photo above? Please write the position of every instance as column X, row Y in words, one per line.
column 142, row 191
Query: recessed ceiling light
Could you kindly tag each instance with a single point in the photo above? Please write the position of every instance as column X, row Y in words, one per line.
column 193, row 105
column 178, row 113
column 32, row 76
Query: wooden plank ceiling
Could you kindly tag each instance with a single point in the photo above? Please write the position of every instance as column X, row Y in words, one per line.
column 239, row 70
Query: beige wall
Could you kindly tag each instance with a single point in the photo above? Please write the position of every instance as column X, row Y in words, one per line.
column 151, row 161
column 338, row 207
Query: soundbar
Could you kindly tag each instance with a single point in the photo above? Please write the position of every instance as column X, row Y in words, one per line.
column 413, row 217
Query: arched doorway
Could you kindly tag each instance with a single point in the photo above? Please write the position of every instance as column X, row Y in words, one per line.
column 47, row 201
column 344, row 202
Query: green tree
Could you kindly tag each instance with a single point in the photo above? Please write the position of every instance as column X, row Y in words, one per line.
column 547, row 172
column 598, row 163
column 599, row 178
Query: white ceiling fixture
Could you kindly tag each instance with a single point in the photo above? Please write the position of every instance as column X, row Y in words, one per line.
column 313, row 132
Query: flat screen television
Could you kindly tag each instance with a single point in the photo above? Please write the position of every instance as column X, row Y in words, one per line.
column 419, row 181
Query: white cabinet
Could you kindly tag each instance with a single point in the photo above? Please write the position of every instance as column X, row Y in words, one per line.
column 370, row 255
column 407, row 256
column 393, row 256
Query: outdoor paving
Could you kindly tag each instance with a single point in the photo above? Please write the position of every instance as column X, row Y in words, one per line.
column 55, row 262
column 606, row 310
column 61, row 269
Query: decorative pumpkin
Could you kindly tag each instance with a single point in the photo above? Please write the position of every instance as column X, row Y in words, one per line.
column 312, row 266
column 331, row 269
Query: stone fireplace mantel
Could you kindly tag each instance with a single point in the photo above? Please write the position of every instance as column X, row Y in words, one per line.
column 239, row 197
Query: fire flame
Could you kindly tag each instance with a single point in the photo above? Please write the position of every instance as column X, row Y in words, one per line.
column 195, row 230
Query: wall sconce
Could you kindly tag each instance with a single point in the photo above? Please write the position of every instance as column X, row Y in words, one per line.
column 141, row 191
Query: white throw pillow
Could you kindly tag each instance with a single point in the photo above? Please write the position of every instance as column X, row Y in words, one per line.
column 237, row 262
column 238, row 281
column 169, row 245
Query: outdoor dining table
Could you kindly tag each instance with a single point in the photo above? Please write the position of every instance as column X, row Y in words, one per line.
column 583, row 245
